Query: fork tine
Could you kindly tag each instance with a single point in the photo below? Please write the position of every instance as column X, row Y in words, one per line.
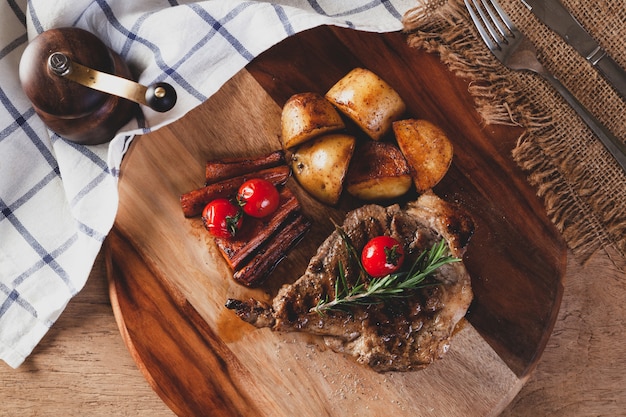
column 495, row 19
column 502, row 17
column 516, row 52
column 496, row 32
column 484, row 29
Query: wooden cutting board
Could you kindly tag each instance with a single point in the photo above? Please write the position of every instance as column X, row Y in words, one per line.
column 168, row 283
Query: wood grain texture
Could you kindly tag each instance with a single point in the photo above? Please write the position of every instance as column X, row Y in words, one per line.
column 173, row 319
column 483, row 178
column 83, row 368
column 583, row 369
column 291, row 373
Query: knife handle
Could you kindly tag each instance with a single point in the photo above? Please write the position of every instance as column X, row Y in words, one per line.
column 610, row 69
column 614, row 145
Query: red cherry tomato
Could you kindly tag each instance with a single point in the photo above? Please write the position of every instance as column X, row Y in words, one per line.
column 381, row 256
column 258, row 197
column 222, row 218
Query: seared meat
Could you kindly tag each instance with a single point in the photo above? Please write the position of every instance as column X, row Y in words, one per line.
column 400, row 334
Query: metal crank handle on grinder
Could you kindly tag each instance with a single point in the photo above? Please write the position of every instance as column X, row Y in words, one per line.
column 616, row 147
column 160, row 97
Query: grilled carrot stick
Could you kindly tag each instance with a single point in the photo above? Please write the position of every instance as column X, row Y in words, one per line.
column 220, row 170
column 255, row 231
column 194, row 201
column 272, row 252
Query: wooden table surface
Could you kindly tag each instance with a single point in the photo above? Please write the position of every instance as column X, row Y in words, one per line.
column 82, row 366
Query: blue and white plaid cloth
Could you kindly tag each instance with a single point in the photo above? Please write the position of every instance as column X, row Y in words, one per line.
column 58, row 200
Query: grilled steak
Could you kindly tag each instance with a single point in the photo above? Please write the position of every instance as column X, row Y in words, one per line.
column 397, row 335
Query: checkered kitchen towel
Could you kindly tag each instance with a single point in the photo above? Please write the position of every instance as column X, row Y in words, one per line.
column 58, row 200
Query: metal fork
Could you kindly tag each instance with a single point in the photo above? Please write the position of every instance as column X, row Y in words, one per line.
column 516, row 52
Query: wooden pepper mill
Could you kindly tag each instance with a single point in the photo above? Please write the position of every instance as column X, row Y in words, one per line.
column 81, row 89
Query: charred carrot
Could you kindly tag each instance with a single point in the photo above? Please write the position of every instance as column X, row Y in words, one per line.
column 256, row 231
column 271, row 253
column 219, row 170
column 194, row 201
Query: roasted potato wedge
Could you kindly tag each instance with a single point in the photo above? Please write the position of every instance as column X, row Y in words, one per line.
column 320, row 165
column 427, row 150
column 378, row 171
column 368, row 100
column 307, row 115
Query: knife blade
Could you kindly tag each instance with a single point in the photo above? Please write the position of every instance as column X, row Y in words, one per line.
column 554, row 15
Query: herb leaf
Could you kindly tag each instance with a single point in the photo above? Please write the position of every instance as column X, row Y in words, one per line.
column 367, row 290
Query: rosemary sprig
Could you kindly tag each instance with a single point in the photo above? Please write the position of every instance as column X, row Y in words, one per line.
column 368, row 290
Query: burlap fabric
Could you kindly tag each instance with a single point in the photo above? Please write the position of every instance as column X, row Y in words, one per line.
column 583, row 188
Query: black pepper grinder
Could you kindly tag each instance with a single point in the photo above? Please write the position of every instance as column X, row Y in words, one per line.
column 81, row 89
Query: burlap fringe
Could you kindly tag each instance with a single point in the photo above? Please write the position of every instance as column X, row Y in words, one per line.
column 441, row 26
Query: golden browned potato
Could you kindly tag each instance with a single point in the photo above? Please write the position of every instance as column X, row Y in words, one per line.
column 320, row 165
column 307, row 115
column 426, row 148
column 368, row 100
column 378, row 171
